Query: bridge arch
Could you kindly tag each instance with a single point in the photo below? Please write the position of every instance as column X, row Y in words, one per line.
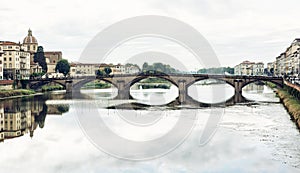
column 205, row 78
column 219, row 98
column 77, row 85
column 141, row 77
column 39, row 84
column 147, row 98
column 280, row 84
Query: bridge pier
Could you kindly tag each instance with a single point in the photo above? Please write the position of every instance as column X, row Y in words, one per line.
column 123, row 91
column 182, row 91
column 238, row 97
column 69, row 86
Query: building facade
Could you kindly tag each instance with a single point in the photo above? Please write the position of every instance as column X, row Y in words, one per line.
column 292, row 57
column 120, row 69
column 249, row 68
column 280, row 62
column 85, row 68
column 258, row 69
column 31, row 43
column 1, row 63
column 88, row 69
column 52, row 57
column 132, row 69
column 244, row 68
column 1, row 123
column 288, row 62
column 16, row 61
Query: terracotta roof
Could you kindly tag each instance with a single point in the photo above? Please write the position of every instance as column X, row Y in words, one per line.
column 53, row 52
column 6, row 82
column 8, row 43
column 247, row 62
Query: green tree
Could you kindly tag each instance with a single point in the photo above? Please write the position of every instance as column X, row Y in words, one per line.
column 218, row 70
column 99, row 73
column 39, row 58
column 145, row 66
column 159, row 67
column 63, row 66
column 107, row 70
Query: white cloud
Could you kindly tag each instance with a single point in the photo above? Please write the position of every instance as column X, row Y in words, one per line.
column 238, row 30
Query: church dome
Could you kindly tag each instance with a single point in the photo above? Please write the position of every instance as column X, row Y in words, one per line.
column 29, row 39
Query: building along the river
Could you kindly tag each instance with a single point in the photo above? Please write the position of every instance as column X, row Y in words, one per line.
column 91, row 68
column 249, row 68
column 288, row 62
column 1, row 123
column 16, row 60
column 292, row 57
column 31, row 43
column 120, row 68
column 1, row 63
column 52, row 57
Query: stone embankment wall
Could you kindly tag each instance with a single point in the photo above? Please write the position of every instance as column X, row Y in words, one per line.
column 290, row 97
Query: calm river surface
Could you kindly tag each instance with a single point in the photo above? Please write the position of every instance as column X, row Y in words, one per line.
column 43, row 134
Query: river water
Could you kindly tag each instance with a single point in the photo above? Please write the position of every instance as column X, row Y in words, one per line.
column 45, row 134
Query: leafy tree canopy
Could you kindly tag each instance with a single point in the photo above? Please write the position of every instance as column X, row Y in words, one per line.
column 63, row 66
column 107, row 70
column 99, row 73
column 40, row 58
column 160, row 67
column 219, row 70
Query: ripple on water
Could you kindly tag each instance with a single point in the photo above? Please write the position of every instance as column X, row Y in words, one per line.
column 268, row 124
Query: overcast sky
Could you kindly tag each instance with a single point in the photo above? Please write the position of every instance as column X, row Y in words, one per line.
column 237, row 30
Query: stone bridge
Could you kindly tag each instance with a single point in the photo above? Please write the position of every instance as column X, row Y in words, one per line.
column 181, row 81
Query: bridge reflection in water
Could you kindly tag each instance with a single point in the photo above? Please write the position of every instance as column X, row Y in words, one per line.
column 22, row 116
column 182, row 81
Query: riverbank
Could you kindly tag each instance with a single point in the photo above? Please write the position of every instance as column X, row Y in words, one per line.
column 51, row 88
column 97, row 85
column 7, row 94
column 291, row 104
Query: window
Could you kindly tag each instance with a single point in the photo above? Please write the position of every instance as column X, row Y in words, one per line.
column 5, row 65
column 4, row 59
column 10, row 65
column 9, row 58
